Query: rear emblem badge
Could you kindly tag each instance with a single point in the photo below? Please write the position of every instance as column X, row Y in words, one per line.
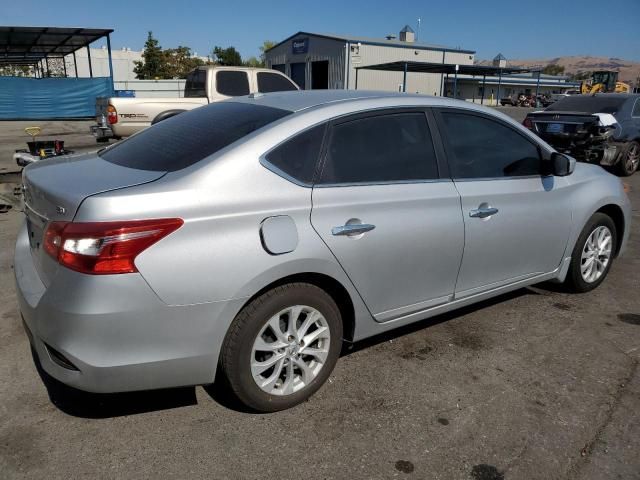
column 61, row 210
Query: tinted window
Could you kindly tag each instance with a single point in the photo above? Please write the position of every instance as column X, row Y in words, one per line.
column 196, row 84
column 386, row 148
column 272, row 82
column 232, row 83
column 298, row 157
column 185, row 139
column 589, row 104
column 636, row 108
column 482, row 148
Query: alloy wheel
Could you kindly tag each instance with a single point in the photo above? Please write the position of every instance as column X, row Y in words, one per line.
column 596, row 254
column 290, row 350
column 633, row 158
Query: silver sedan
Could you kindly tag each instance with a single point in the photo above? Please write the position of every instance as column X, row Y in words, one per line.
column 256, row 235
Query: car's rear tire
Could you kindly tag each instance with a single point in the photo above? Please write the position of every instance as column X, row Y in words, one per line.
column 592, row 254
column 282, row 347
column 629, row 159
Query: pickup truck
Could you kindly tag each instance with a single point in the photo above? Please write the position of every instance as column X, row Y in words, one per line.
column 118, row 117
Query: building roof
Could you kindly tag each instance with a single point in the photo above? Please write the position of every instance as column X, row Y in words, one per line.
column 28, row 45
column 499, row 57
column 407, row 28
column 376, row 41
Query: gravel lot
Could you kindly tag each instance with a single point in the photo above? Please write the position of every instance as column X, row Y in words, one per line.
column 537, row 384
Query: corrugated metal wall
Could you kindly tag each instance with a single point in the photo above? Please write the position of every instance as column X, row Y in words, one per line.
column 341, row 76
column 319, row 49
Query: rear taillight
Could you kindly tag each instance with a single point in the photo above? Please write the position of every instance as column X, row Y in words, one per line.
column 103, row 248
column 112, row 114
column 528, row 123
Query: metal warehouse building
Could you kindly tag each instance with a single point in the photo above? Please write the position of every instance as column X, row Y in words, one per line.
column 317, row 61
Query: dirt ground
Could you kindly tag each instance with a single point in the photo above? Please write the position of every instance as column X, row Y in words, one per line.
column 537, row 384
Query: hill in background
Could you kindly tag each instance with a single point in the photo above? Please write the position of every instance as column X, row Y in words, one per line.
column 629, row 70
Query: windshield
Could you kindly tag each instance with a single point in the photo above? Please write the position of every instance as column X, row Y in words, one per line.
column 588, row 104
column 187, row 138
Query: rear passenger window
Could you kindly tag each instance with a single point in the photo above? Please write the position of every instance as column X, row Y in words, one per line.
column 482, row 148
column 232, row 83
column 385, row 148
column 298, row 156
column 636, row 109
column 272, row 82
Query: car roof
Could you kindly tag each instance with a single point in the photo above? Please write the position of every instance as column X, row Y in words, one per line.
column 296, row 101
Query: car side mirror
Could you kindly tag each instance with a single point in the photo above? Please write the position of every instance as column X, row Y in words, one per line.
column 561, row 165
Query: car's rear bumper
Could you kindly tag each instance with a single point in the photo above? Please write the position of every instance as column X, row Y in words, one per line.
column 111, row 333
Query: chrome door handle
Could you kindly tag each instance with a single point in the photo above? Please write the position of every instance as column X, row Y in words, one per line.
column 353, row 229
column 483, row 212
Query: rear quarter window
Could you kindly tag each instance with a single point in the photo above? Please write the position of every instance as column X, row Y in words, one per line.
column 185, row 139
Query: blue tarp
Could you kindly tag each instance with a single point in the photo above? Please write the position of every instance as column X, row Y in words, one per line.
column 49, row 98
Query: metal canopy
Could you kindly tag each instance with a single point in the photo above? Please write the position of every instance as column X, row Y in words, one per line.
column 450, row 68
column 29, row 45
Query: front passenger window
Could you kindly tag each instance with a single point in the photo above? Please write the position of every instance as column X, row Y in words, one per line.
column 379, row 149
column 482, row 148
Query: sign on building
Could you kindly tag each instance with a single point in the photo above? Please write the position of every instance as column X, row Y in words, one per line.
column 300, row 45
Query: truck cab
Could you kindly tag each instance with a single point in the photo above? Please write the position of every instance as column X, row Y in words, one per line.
column 118, row 117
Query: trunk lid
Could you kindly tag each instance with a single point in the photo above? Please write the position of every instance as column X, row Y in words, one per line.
column 54, row 189
column 550, row 124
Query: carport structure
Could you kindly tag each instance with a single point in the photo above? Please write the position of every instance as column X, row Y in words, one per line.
column 36, row 96
column 34, row 46
column 450, row 69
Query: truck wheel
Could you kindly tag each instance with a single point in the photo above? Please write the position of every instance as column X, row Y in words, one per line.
column 629, row 159
column 282, row 347
column 593, row 254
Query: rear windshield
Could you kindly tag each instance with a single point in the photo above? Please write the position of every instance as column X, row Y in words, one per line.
column 196, row 84
column 588, row 104
column 187, row 138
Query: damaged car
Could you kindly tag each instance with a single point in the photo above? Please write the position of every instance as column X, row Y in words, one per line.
column 603, row 129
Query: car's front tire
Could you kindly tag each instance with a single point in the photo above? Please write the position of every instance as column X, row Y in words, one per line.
column 592, row 254
column 282, row 347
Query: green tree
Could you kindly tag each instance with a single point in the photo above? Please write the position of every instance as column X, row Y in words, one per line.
column 266, row 45
column 227, row 56
column 153, row 64
column 253, row 62
column 178, row 62
column 553, row 69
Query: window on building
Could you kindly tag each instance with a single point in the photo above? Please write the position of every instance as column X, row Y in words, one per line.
column 232, row 83
column 272, row 82
column 384, row 148
column 479, row 147
column 298, row 156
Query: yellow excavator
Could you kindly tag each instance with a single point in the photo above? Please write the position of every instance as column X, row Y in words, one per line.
column 604, row 82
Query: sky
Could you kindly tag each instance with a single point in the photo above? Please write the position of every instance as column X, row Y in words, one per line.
column 542, row 29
